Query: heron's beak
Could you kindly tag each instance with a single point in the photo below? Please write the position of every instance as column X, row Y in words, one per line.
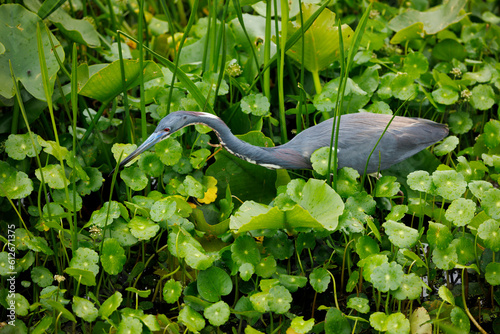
column 155, row 138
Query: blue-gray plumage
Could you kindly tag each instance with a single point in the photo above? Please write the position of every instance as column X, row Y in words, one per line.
column 358, row 135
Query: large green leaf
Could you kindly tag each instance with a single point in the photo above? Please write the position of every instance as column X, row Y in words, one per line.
column 18, row 38
column 434, row 20
column 80, row 31
column 107, row 82
column 319, row 207
column 321, row 40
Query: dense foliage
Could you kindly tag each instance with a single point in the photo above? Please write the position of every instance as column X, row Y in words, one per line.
column 191, row 238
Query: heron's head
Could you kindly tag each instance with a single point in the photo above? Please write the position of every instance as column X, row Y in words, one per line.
column 168, row 125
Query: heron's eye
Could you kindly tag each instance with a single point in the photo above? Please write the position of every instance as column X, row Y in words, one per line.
column 167, row 130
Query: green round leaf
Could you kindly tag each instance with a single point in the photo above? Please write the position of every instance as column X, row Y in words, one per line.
column 448, row 145
column 490, row 202
column 191, row 319
column 403, row 87
column 449, row 184
column 492, row 273
column 370, row 263
column 280, row 299
column 387, row 277
column 20, row 146
column 183, row 166
column 41, row 276
column 113, row 256
column 445, row 95
column 445, row 258
column 492, row 133
column 460, row 122
column 172, row 290
column 347, row 184
column 105, row 215
column 489, row 231
column 266, row 267
column 460, row 319
column 319, row 160
column 378, row 321
column 319, row 279
column 301, row 326
column 163, row 209
column 478, row 188
column 379, row 107
column 411, row 288
column 143, row 228
column 366, row 246
column 400, row 235
column 397, row 324
column 199, row 157
column 193, row 187
column 255, row 104
column 386, row 186
column 151, row 164
column 416, row 64
column 439, row 235
column 279, row 246
column 53, row 175
column 419, row 180
column 359, row 304
column 217, row 314
column 15, row 185
column 84, row 309
column 246, row 271
column 86, row 259
column 110, row 305
column 461, row 211
column 292, row 283
column 244, row 250
column 134, row 178
column 129, row 325
column 214, row 283
column 169, row 151
column 483, row 97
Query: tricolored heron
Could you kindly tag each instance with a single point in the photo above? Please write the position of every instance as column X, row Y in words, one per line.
column 358, row 135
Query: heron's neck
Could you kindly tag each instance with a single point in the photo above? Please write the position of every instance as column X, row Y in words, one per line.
column 269, row 157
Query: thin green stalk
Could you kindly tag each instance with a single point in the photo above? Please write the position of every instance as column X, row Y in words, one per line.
column 334, row 290
column 185, row 80
column 281, row 67
column 126, row 106
column 94, row 119
column 48, row 90
column 267, row 52
column 74, row 108
column 344, row 76
column 237, row 9
column 174, row 68
column 214, row 58
column 302, row 99
column 291, row 41
column 144, row 130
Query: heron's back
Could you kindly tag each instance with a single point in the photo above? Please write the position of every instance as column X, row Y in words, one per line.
column 359, row 134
